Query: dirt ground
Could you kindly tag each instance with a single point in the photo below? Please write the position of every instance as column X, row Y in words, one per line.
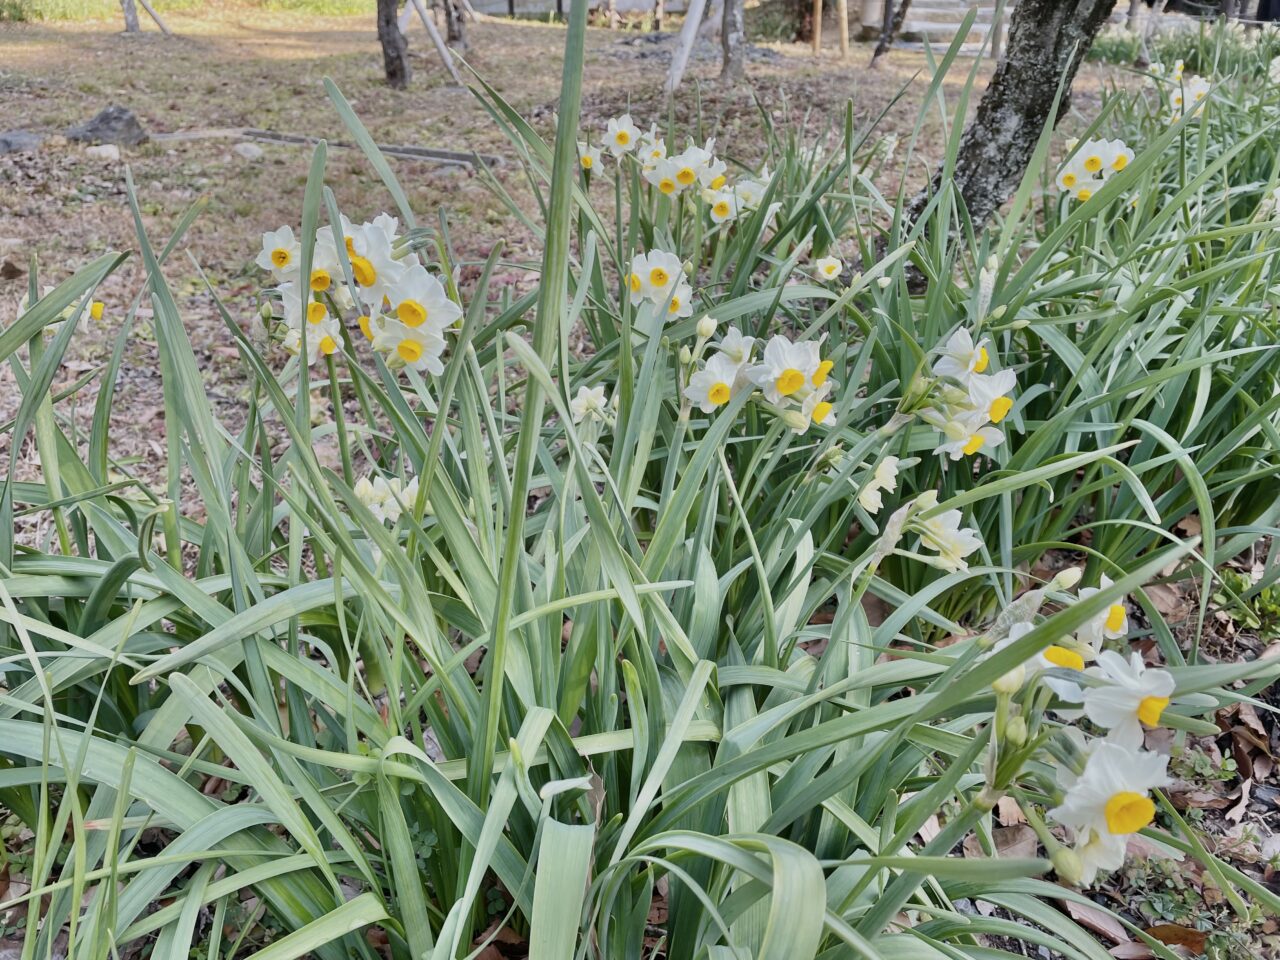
column 234, row 67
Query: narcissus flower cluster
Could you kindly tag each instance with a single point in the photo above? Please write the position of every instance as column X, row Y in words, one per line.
column 1090, row 165
column 968, row 402
column 371, row 273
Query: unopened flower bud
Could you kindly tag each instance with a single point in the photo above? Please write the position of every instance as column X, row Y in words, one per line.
column 1015, row 731
column 686, row 355
column 1067, row 578
column 999, row 311
column 1011, row 682
column 795, row 420
column 884, row 282
column 264, row 311
column 706, row 327
column 1068, row 865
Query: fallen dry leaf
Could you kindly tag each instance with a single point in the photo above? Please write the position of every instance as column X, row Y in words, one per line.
column 1176, row 935
column 1096, row 919
column 1008, row 812
column 1237, row 812
column 1133, row 950
column 1013, row 842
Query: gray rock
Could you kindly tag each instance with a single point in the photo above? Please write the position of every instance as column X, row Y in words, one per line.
column 19, row 141
column 113, row 125
column 103, row 151
column 249, row 151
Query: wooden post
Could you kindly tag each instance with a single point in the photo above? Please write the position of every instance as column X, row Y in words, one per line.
column 130, row 16
column 817, row 28
column 659, row 10
column 872, row 15
column 441, row 49
column 684, row 45
column 156, row 17
column 842, row 13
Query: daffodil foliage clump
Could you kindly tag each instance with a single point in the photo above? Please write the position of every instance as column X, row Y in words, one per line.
column 698, row 603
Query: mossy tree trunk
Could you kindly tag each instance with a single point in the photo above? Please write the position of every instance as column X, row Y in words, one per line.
column 1048, row 39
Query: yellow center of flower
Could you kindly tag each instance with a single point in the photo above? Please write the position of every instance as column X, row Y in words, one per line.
column 718, row 394
column 667, row 185
column 983, row 360
column 973, row 444
column 1069, row 180
column 1120, row 162
column 633, row 281
column 587, row 161
column 1062, row 657
column 790, row 381
column 721, row 209
column 411, row 313
column 1150, row 708
column 365, row 327
column 718, row 182
column 1115, row 618
column 320, row 279
column 1178, row 99
column 824, row 370
column 95, row 309
column 686, row 175
column 821, row 410
column 328, row 344
column 1199, row 97
column 281, row 257
column 316, row 312
column 350, row 243
column 675, row 305
column 364, row 272
column 999, row 409
column 410, row 351
column 659, row 277
column 622, row 138
column 1129, row 812
column 1093, row 163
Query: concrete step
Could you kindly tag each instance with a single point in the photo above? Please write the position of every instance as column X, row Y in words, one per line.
column 966, row 49
column 935, row 32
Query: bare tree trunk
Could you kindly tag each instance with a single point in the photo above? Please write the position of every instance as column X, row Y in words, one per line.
column 395, row 48
column 893, row 20
column 1048, row 40
column 454, row 31
column 130, row 16
column 802, row 17
column 1131, row 21
column 732, row 41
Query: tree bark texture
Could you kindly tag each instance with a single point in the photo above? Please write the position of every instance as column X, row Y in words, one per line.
column 893, row 20
column 733, row 41
column 1048, row 39
column 130, row 16
column 395, row 48
column 455, row 33
column 802, row 17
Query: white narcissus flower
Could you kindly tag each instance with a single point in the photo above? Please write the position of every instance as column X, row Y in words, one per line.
column 652, row 147
column 1189, row 94
column 374, row 265
column 961, row 357
column 988, row 394
column 828, row 268
column 1131, row 697
column 816, row 408
column 944, row 534
column 737, row 347
column 884, row 478
column 621, row 135
column 722, row 205
column 1273, row 71
column 964, row 434
column 420, row 300
column 419, row 348
column 663, row 175
column 1110, row 624
column 323, row 336
column 386, row 499
column 653, row 276
column 715, row 384
column 680, row 302
column 588, row 156
column 589, row 404
column 785, row 369
column 690, row 165
column 1109, row 801
column 280, row 253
